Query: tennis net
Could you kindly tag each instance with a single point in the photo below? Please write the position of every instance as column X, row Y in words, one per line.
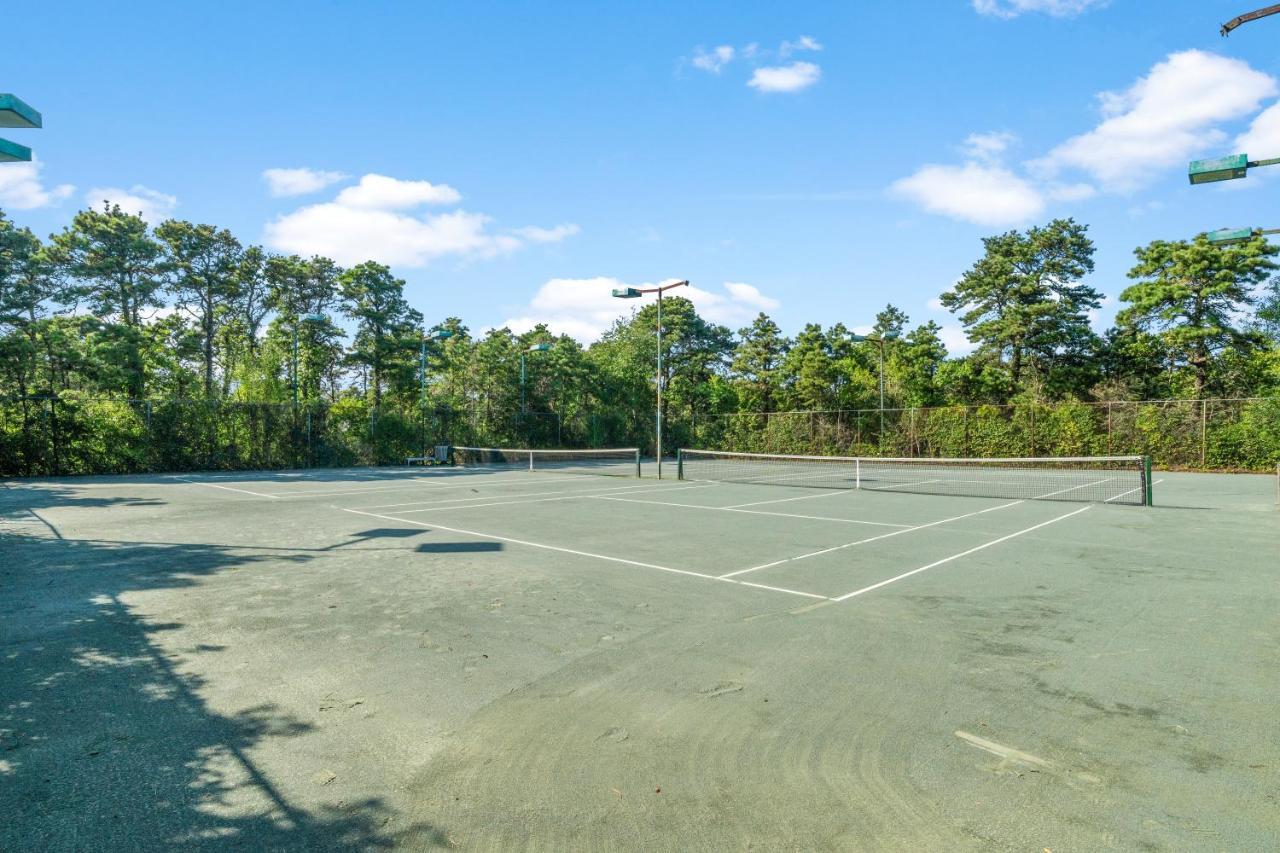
column 614, row 462
column 1104, row 479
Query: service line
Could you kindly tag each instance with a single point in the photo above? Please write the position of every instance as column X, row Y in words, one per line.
column 944, row 560
column 575, row 552
column 868, row 539
column 758, row 512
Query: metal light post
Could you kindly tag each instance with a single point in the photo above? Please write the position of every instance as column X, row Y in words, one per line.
column 632, row 293
column 524, row 408
column 305, row 318
column 879, row 340
column 437, row 335
column 536, row 347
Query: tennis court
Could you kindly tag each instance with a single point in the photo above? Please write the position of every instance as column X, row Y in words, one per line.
column 493, row 657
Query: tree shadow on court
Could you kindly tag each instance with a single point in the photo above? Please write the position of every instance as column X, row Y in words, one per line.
column 106, row 741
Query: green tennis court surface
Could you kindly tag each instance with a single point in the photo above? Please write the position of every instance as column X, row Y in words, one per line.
column 492, row 658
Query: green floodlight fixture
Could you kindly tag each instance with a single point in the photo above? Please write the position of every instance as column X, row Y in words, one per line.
column 14, row 112
column 1224, row 168
column 1227, row 236
column 539, row 347
column 626, row 293
column 12, row 152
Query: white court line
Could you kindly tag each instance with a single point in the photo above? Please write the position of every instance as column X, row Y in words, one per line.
column 226, row 488
column 545, row 547
column 937, row 563
column 1131, row 491
column 778, row 589
column 827, row 494
column 759, row 512
column 1073, row 488
column 490, row 497
column 865, row 541
column 561, row 497
column 418, row 484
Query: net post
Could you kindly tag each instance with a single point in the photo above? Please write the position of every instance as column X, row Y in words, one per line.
column 1146, row 480
column 680, row 463
column 857, row 474
column 637, row 463
column 530, row 461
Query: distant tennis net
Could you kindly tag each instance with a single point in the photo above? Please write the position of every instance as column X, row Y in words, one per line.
column 1104, row 479
column 612, row 462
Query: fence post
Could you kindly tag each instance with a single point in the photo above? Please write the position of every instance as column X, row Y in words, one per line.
column 1108, row 427
column 1204, row 429
column 1033, row 428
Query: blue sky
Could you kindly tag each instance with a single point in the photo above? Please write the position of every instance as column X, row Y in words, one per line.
column 514, row 161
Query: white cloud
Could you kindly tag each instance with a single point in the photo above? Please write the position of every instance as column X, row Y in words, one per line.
column 1262, row 139
column 373, row 221
column 713, row 60
column 935, row 304
column 585, row 307
column 750, row 296
column 1162, row 120
column 378, row 192
column 151, row 205
column 1014, row 8
column 984, row 195
column 534, row 234
column 988, row 147
column 803, row 43
column 956, row 341
column 282, row 183
column 785, row 78
column 22, row 189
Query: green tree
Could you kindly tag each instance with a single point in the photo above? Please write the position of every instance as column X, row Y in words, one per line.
column 296, row 288
column 205, row 264
column 810, row 370
column 757, row 363
column 891, row 322
column 1190, row 294
column 119, row 271
column 388, row 330
column 1024, row 296
column 1268, row 316
column 917, row 366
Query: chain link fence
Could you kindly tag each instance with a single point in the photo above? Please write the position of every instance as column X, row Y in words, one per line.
column 73, row 434
column 1220, row 434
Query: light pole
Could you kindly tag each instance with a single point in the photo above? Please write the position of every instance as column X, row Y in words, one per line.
column 305, row 318
column 879, row 341
column 632, row 293
column 534, row 348
column 437, row 335
column 524, row 408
